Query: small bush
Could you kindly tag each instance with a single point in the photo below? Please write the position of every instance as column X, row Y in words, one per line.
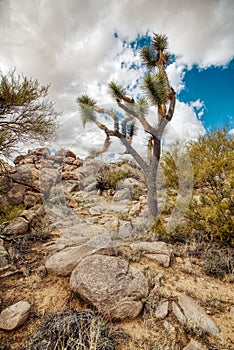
column 218, row 263
column 109, row 175
column 70, row 330
column 10, row 212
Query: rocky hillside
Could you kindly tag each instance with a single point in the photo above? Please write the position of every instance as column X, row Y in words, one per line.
column 76, row 257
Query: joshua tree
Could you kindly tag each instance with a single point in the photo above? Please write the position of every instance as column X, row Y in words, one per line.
column 158, row 93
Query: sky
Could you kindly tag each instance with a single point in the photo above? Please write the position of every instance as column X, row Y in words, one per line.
column 79, row 46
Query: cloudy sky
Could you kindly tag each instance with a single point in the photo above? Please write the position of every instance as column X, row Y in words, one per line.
column 78, row 46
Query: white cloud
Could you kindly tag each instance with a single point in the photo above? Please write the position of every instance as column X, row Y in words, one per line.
column 71, row 45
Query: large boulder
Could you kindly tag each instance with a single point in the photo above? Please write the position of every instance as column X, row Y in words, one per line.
column 26, row 174
column 109, row 283
column 16, row 194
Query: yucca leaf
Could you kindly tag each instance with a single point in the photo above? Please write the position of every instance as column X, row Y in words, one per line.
column 148, row 56
column 86, row 105
column 85, row 100
column 117, row 91
column 160, row 42
column 141, row 107
column 156, row 88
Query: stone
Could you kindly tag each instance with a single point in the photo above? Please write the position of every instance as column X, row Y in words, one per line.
column 19, row 159
column 15, row 315
column 16, row 227
column 136, row 208
column 178, row 313
column 95, row 211
column 163, row 259
column 69, row 160
column 31, row 199
column 4, row 258
column 128, row 183
column 123, row 194
column 16, row 194
column 168, row 326
column 110, row 284
column 26, row 174
column 157, row 247
column 158, row 251
column 162, row 310
column 232, row 311
column 65, row 261
column 72, row 203
column 194, row 345
column 91, row 187
column 196, row 316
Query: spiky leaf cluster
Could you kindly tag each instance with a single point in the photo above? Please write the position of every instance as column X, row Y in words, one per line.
column 141, row 107
column 117, row 91
column 156, row 88
column 86, row 105
column 160, row 42
column 148, row 56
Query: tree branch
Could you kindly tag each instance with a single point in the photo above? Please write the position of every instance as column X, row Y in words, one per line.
column 172, row 105
column 147, row 127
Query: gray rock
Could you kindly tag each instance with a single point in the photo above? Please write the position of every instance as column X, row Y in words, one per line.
column 31, row 199
column 136, row 208
column 163, row 259
column 128, row 183
column 151, row 247
column 124, row 231
column 162, row 310
column 15, row 195
column 95, row 211
column 26, row 174
column 111, row 285
column 65, row 261
column 91, row 187
column 178, row 313
column 168, row 326
column 15, row 315
column 17, row 227
column 194, row 345
column 158, row 251
column 4, row 258
column 196, row 316
column 123, row 194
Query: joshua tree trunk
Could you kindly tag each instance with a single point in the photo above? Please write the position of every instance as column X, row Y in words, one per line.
column 151, row 180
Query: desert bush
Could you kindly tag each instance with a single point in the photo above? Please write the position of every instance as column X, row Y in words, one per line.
column 218, row 263
column 10, row 212
column 211, row 210
column 109, row 175
column 71, row 330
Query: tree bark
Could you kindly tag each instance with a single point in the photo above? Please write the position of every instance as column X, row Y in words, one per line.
column 151, row 181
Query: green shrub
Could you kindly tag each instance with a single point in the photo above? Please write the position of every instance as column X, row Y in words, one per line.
column 109, row 175
column 10, row 212
column 212, row 208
